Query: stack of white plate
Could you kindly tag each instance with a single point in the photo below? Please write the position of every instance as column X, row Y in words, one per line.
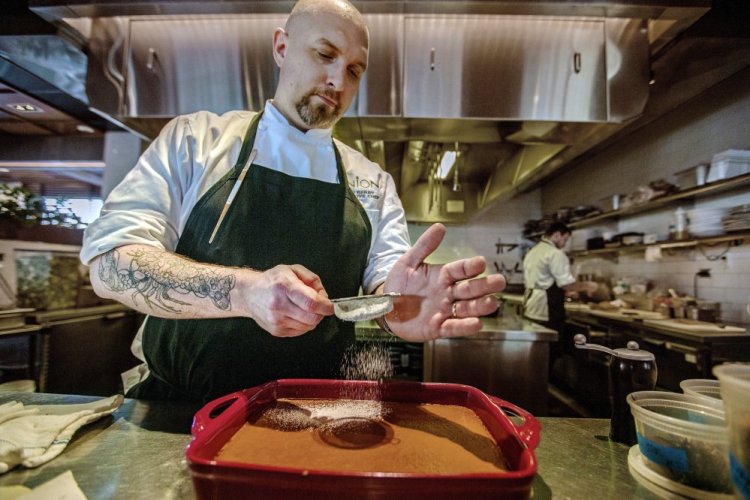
column 738, row 219
column 706, row 221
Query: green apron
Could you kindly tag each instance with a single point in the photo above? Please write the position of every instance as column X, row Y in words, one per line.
column 274, row 219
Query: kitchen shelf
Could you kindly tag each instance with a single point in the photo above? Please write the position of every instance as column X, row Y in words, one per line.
column 737, row 238
column 695, row 192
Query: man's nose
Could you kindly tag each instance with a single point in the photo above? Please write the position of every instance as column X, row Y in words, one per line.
column 336, row 76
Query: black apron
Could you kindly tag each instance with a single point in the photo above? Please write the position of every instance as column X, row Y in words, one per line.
column 556, row 308
column 274, row 219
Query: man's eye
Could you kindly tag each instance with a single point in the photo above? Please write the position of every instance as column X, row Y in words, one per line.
column 356, row 74
column 326, row 56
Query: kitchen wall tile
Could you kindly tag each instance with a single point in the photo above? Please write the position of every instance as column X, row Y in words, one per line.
column 736, row 295
column 500, row 223
column 689, row 135
column 721, row 280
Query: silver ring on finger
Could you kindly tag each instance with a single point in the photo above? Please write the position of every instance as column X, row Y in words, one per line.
column 453, row 309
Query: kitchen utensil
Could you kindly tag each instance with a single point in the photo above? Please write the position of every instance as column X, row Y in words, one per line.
column 630, row 369
column 233, row 193
column 218, row 421
column 363, row 307
column 595, row 243
column 734, row 382
column 629, row 238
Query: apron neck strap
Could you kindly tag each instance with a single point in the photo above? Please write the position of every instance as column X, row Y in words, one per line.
column 248, row 141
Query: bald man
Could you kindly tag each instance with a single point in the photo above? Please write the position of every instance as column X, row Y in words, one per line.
column 232, row 232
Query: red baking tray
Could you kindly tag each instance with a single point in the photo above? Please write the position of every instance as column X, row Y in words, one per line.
column 220, row 419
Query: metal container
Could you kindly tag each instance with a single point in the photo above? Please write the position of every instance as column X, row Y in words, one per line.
column 219, row 420
column 692, row 177
column 509, row 358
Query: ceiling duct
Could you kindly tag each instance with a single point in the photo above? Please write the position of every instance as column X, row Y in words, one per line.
column 516, row 84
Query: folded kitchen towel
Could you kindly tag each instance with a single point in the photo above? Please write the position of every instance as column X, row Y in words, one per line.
column 32, row 435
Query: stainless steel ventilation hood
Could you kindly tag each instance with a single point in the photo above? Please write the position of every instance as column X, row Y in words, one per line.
column 518, row 88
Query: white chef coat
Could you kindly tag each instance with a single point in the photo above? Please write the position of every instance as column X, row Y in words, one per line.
column 153, row 202
column 543, row 266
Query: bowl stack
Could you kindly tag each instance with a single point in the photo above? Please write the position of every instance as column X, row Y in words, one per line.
column 706, row 222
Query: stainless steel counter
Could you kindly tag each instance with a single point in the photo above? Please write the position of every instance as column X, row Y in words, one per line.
column 497, row 328
column 139, row 453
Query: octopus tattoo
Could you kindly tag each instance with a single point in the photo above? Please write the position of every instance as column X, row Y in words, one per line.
column 153, row 278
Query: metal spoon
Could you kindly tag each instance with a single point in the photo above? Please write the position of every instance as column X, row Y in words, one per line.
column 363, row 307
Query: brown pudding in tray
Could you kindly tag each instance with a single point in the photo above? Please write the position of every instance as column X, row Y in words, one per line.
column 323, row 439
column 365, row 436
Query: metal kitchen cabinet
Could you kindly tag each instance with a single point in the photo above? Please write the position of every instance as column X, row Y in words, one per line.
column 380, row 90
column 178, row 66
column 508, row 67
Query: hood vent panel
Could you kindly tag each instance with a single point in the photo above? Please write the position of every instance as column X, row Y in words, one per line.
column 520, row 85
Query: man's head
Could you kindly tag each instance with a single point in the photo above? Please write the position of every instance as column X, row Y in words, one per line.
column 321, row 52
column 558, row 233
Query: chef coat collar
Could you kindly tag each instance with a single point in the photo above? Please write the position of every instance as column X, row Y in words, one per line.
column 274, row 120
column 549, row 242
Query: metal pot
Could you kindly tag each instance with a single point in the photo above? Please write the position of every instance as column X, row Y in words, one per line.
column 706, row 311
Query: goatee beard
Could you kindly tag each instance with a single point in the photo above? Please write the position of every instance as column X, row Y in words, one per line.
column 318, row 116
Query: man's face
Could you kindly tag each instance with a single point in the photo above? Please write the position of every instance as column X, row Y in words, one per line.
column 560, row 239
column 322, row 58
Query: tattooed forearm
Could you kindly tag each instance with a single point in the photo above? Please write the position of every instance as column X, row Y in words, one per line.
column 152, row 277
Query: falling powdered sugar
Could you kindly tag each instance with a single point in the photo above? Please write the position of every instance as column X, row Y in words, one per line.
column 369, row 361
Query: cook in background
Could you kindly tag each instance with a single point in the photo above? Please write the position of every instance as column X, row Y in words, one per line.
column 239, row 299
column 548, row 280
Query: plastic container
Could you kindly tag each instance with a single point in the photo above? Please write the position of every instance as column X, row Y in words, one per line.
column 682, row 438
column 664, row 487
column 705, row 389
column 729, row 163
column 735, row 390
column 218, row 421
column 692, row 177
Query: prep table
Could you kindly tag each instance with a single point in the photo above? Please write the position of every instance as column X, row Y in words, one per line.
column 139, row 452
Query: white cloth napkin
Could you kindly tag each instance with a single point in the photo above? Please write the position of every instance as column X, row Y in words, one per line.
column 32, row 435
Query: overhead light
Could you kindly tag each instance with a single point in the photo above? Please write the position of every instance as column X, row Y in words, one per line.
column 446, row 164
column 24, row 107
column 85, row 129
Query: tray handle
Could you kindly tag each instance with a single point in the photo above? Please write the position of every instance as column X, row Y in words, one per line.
column 216, row 409
column 530, row 429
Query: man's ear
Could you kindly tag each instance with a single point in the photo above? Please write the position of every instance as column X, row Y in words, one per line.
column 279, row 46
